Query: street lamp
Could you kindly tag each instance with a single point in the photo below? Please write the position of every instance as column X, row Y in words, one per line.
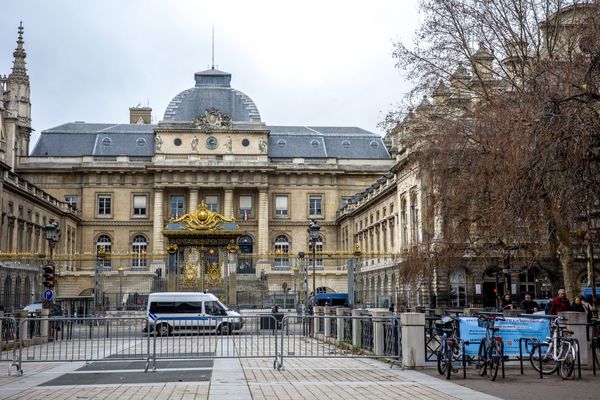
column 52, row 232
column 101, row 254
column 303, row 264
column 313, row 234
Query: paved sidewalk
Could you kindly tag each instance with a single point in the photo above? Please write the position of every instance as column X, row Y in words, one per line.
column 321, row 379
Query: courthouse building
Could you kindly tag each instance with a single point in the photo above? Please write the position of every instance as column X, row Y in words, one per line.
column 114, row 185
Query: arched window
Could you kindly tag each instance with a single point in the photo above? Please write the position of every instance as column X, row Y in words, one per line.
column 17, row 296
column 282, row 249
column 7, row 293
column 103, row 250
column 139, row 246
column 245, row 263
column 318, row 251
column 458, row 287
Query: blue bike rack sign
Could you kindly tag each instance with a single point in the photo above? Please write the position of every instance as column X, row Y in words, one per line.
column 510, row 330
column 48, row 295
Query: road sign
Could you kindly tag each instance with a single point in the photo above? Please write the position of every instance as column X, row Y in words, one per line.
column 512, row 270
column 48, row 295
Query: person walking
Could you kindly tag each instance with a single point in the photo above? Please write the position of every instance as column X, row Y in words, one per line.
column 560, row 303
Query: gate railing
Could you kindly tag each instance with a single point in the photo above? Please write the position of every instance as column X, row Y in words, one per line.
column 62, row 339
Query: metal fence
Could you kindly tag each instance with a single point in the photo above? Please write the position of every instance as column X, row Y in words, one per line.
column 303, row 337
column 64, row 339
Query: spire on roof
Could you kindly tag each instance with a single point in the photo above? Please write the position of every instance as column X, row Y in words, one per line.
column 19, row 70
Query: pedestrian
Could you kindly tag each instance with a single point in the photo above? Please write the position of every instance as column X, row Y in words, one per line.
column 580, row 305
column 529, row 305
column 560, row 303
column 507, row 302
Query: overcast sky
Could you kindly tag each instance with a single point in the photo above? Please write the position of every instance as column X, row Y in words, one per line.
column 302, row 62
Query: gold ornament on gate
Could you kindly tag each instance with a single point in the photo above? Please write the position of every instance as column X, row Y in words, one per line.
column 202, row 219
column 214, row 274
column 190, row 274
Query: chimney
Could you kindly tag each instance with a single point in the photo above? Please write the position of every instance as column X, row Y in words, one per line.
column 140, row 115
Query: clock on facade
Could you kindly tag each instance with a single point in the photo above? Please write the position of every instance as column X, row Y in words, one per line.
column 212, row 142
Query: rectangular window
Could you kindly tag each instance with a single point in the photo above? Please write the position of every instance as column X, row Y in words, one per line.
column 246, row 207
column 281, row 206
column 212, row 203
column 71, row 200
column 315, row 205
column 177, row 206
column 104, row 204
column 345, row 200
column 140, row 204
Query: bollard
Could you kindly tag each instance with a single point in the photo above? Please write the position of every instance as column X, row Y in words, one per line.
column 378, row 331
column 44, row 325
column 413, row 339
column 356, row 328
column 340, row 312
column 577, row 322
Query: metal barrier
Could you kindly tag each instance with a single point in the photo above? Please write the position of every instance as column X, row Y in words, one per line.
column 433, row 340
column 213, row 337
column 9, row 342
column 82, row 339
column 383, row 337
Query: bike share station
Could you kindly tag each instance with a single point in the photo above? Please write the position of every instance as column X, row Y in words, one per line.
column 488, row 340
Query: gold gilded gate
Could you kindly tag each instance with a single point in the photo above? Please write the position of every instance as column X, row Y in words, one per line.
column 203, row 253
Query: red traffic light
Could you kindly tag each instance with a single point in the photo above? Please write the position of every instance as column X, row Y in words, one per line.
column 48, row 275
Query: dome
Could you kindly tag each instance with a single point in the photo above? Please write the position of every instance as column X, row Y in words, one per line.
column 212, row 89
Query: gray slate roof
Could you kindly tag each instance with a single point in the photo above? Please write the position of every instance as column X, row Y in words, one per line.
column 212, row 89
column 77, row 139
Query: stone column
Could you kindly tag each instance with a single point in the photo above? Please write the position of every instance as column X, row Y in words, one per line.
column 318, row 315
column 44, row 325
column 228, row 203
column 263, row 231
column 157, row 240
column 378, row 331
column 328, row 312
column 356, row 328
column 193, row 201
column 340, row 313
column 577, row 321
column 232, row 278
column 413, row 339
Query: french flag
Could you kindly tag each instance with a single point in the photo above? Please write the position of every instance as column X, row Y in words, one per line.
column 246, row 215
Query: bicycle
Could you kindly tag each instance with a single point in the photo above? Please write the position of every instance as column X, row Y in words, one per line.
column 449, row 346
column 491, row 348
column 558, row 352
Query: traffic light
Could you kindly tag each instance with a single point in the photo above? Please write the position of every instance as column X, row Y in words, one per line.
column 49, row 275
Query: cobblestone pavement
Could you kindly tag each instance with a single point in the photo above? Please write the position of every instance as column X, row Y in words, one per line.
column 246, row 379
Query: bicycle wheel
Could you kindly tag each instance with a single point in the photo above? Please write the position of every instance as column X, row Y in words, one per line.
column 495, row 358
column 441, row 362
column 482, row 358
column 596, row 351
column 549, row 366
column 567, row 364
column 448, row 362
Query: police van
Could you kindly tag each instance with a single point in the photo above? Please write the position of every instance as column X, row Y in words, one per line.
column 178, row 311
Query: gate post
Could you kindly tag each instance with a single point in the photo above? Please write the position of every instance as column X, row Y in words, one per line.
column 356, row 328
column 328, row 312
column 340, row 312
column 378, row 331
column 44, row 325
column 577, row 322
column 318, row 315
column 413, row 339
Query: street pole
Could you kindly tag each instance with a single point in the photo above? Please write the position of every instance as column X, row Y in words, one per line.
column 314, row 283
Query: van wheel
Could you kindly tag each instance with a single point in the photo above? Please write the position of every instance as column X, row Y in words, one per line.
column 224, row 329
column 163, row 330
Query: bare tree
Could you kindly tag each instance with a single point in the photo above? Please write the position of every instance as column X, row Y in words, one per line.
column 508, row 132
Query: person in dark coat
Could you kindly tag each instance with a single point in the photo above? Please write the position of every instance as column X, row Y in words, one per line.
column 507, row 302
column 529, row 305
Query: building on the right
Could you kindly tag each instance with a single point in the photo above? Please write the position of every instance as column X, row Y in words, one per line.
column 428, row 244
